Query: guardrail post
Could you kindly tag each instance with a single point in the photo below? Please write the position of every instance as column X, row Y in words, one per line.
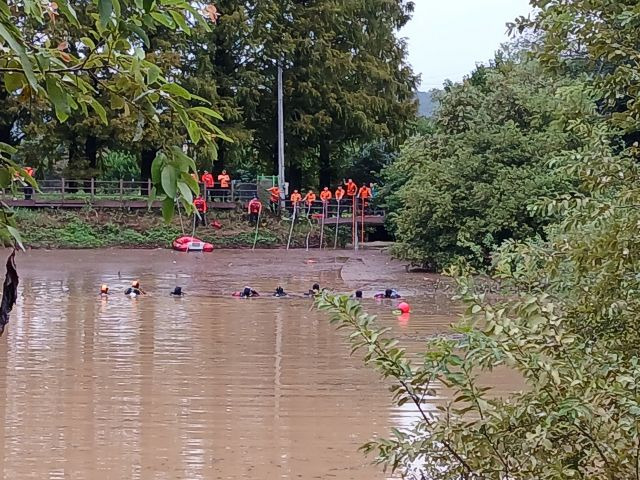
column 93, row 188
column 233, row 190
column 148, row 187
column 62, row 188
column 121, row 190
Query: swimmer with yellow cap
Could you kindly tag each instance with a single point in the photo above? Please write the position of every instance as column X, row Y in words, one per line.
column 104, row 291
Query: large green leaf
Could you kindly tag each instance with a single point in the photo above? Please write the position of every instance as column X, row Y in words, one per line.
column 16, row 235
column 99, row 109
column 139, row 31
column 69, row 13
column 105, row 7
column 6, row 148
column 177, row 90
column 180, row 21
column 156, row 168
column 190, row 181
column 169, row 178
column 163, row 19
column 207, row 111
column 59, row 99
column 186, row 163
column 185, row 191
column 25, row 60
column 194, row 131
column 168, row 207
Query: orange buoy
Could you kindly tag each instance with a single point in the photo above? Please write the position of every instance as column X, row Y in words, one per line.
column 404, row 307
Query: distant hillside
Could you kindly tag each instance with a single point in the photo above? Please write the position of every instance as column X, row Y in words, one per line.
column 427, row 103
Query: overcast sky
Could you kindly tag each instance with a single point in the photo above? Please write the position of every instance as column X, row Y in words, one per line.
column 447, row 37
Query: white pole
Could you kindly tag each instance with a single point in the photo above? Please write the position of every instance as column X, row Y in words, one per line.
column 281, row 179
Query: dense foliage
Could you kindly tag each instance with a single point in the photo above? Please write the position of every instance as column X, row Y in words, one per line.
column 568, row 324
column 64, row 60
column 463, row 188
column 346, row 82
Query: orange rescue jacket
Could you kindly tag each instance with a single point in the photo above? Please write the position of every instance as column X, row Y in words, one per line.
column 310, row 197
column 325, row 195
column 295, row 198
column 275, row 194
column 200, row 204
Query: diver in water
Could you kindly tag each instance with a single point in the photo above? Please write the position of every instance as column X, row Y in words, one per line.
column 134, row 290
column 104, row 291
column 177, row 292
column 358, row 294
column 279, row 292
column 315, row 290
column 247, row 292
column 388, row 293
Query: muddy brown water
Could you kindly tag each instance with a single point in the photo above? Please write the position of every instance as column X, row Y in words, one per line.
column 202, row 387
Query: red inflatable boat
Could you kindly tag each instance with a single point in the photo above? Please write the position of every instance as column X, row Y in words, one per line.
column 191, row 244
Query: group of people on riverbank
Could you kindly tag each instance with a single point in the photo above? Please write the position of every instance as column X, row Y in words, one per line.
column 223, row 185
column 357, row 197
column 348, row 193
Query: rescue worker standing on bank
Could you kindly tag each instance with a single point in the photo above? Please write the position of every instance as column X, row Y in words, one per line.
column 201, row 207
column 296, row 198
column 254, row 208
column 325, row 196
column 352, row 189
column 364, row 194
column 274, row 199
column 225, row 182
column 207, row 180
column 28, row 189
column 339, row 196
column 309, row 199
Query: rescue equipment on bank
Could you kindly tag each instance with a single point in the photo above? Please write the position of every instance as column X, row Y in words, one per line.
column 191, row 244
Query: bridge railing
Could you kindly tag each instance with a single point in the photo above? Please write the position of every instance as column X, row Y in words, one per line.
column 333, row 208
column 90, row 190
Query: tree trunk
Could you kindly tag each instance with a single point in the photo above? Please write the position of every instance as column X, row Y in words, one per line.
column 146, row 159
column 91, row 151
column 325, row 165
column 295, row 176
column 6, row 123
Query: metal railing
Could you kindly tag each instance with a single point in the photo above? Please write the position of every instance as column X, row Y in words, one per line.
column 93, row 189
column 124, row 191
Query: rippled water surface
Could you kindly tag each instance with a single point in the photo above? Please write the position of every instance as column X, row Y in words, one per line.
column 202, row 387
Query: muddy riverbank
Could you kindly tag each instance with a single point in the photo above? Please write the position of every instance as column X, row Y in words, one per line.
column 88, row 228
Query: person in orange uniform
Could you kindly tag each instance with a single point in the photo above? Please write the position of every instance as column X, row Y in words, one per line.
column 364, row 194
column 28, row 189
column 325, row 196
column 225, row 182
column 339, row 196
column 352, row 188
column 274, row 200
column 309, row 198
column 254, row 208
column 296, row 198
column 201, row 206
column 207, row 180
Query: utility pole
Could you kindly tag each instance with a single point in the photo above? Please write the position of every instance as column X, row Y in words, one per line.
column 281, row 179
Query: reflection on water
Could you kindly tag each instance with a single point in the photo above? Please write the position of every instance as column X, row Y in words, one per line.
column 201, row 387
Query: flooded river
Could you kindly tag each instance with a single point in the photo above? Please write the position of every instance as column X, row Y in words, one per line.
column 201, row 387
